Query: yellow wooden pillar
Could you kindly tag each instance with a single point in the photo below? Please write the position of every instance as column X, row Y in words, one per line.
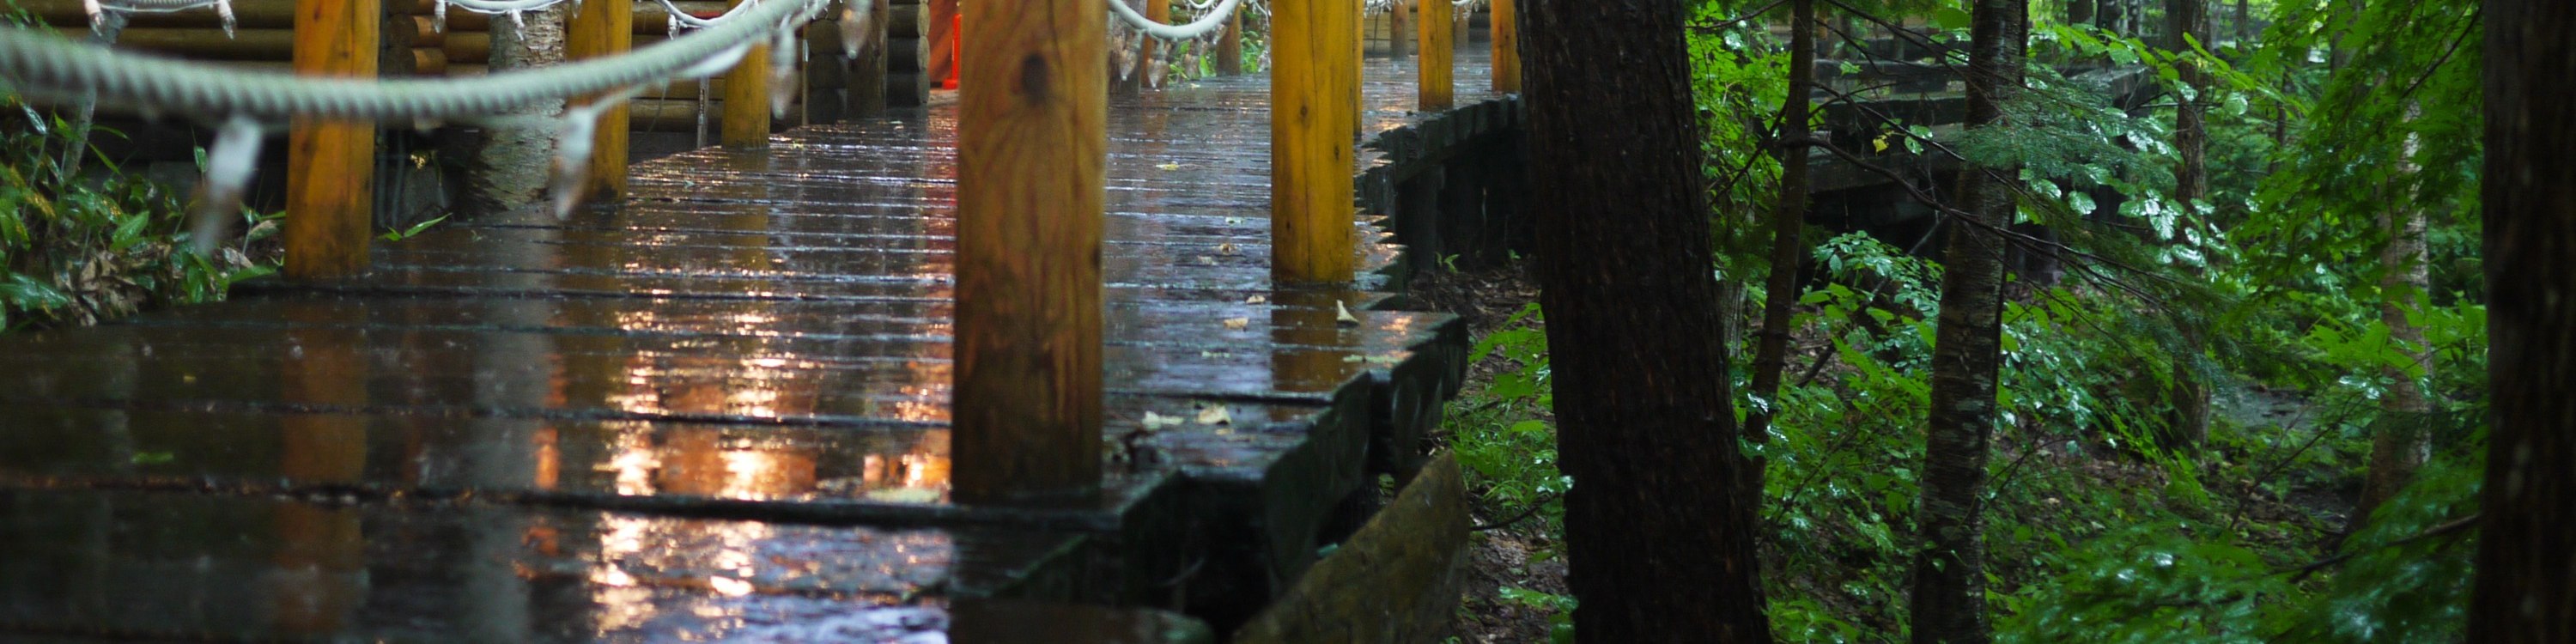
column 1507, row 47
column 746, row 98
column 1311, row 122
column 604, row 28
column 1032, row 141
column 331, row 165
column 1436, row 91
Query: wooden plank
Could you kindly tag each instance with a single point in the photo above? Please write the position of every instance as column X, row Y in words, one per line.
column 1437, row 92
column 1312, row 117
column 1031, row 150
column 1395, row 580
column 1507, row 47
column 330, row 166
column 746, row 99
column 601, row 28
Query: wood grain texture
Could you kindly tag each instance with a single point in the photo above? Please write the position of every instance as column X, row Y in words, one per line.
column 604, row 28
column 1438, row 29
column 331, row 165
column 1507, row 46
column 746, row 99
column 1032, row 143
column 1312, row 116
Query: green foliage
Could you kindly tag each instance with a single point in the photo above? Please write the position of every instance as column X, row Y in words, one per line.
column 1559, row 608
column 84, row 248
column 1499, row 433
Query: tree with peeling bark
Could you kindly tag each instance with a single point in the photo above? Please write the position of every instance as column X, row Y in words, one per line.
column 2525, row 592
column 1658, row 524
column 1949, row 585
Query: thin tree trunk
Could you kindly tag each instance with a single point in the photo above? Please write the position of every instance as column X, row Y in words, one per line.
column 2524, row 593
column 2186, row 21
column 2399, row 444
column 1949, row 589
column 1623, row 261
column 1771, row 356
column 507, row 169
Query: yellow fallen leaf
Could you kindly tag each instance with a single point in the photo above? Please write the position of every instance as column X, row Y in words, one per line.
column 1170, row 166
column 1215, row 415
column 1255, row 299
column 1238, row 324
column 1159, row 421
column 1342, row 315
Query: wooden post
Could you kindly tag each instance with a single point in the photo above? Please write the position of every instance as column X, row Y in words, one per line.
column 1031, row 146
column 603, row 28
column 1507, row 47
column 746, row 98
column 1158, row 11
column 1229, row 47
column 1312, row 90
column 330, row 176
column 1356, row 25
column 1395, row 20
column 1437, row 92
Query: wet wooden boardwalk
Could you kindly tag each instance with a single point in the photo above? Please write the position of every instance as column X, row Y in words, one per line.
column 716, row 411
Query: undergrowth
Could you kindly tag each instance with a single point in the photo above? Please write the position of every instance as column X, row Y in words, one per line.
column 99, row 243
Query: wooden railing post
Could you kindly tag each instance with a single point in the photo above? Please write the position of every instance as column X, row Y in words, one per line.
column 1312, row 101
column 1358, row 29
column 330, row 176
column 1229, row 47
column 1507, row 47
column 746, row 98
column 1031, row 146
column 603, row 28
column 1436, row 92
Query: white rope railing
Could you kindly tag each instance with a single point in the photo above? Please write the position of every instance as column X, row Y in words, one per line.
column 1207, row 24
column 44, row 67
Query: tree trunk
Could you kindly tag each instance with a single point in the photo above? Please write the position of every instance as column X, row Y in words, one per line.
column 2524, row 592
column 2399, row 444
column 1623, row 261
column 1949, row 590
column 2189, row 422
column 507, row 167
column 1780, row 291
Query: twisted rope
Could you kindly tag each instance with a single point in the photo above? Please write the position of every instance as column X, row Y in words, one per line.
column 51, row 67
column 1207, row 23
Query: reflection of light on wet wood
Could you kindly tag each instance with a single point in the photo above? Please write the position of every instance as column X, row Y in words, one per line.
column 321, row 551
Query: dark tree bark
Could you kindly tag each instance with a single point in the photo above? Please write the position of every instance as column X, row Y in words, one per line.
column 1658, row 526
column 1949, row 591
column 1771, row 355
column 2524, row 592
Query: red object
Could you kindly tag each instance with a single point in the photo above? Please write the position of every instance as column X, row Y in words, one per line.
column 956, row 47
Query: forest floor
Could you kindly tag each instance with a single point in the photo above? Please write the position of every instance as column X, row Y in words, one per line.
column 1516, row 570
column 1518, row 555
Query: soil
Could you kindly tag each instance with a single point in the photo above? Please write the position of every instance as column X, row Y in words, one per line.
column 1518, row 555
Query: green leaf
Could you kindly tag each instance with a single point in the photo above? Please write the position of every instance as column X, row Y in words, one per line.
column 1951, row 18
